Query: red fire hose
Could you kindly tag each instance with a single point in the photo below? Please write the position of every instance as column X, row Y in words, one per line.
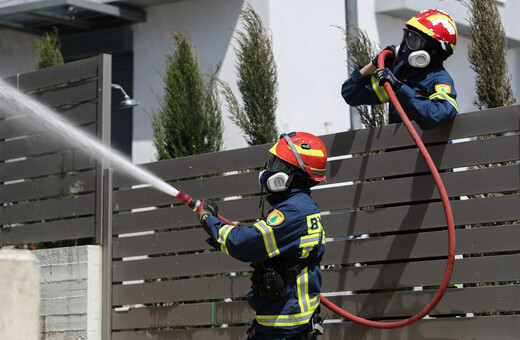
column 186, row 199
column 449, row 220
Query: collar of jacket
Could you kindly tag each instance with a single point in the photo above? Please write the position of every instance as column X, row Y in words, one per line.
column 279, row 197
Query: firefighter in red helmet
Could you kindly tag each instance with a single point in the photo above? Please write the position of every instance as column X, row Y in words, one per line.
column 286, row 246
column 416, row 73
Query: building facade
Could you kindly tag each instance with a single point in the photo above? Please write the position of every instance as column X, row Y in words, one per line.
column 308, row 44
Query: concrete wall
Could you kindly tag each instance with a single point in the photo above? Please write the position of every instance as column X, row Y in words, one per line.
column 19, row 295
column 71, row 292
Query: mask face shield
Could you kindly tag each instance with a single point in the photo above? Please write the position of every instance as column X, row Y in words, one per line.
column 275, row 164
column 413, row 40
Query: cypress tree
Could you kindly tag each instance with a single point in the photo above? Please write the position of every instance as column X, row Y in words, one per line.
column 189, row 120
column 486, row 53
column 257, row 82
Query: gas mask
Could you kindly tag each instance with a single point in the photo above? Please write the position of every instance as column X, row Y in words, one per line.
column 414, row 49
column 277, row 175
column 274, row 182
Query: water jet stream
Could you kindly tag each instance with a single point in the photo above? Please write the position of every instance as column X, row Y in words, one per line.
column 15, row 102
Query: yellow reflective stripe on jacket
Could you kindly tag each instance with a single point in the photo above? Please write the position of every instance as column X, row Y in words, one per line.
column 307, row 242
column 269, row 239
column 445, row 96
column 379, row 91
column 302, row 282
column 286, row 320
column 222, row 236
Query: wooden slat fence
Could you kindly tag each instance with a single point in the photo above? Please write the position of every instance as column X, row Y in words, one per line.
column 49, row 191
column 386, row 236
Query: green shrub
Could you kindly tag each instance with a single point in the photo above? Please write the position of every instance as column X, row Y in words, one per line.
column 48, row 50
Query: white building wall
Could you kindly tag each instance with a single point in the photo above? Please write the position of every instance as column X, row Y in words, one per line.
column 310, row 55
column 210, row 25
column 17, row 53
column 308, row 52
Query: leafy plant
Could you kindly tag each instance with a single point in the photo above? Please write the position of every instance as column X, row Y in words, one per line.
column 189, row 120
column 486, row 53
column 48, row 50
column 257, row 82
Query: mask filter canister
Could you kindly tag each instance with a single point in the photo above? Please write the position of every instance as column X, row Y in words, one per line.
column 419, row 59
column 274, row 182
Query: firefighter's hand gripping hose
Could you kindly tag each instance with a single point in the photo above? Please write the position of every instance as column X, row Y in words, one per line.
column 449, row 219
column 194, row 204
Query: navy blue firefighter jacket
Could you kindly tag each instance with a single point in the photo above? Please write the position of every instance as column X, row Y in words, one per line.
column 288, row 232
column 427, row 96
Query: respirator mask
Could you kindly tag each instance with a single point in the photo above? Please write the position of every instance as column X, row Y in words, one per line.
column 414, row 49
column 277, row 175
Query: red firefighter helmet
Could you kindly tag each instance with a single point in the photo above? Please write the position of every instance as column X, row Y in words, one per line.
column 304, row 151
column 438, row 25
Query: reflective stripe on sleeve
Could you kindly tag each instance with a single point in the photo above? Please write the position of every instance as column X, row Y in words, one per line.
column 445, row 96
column 222, row 236
column 269, row 239
column 379, row 91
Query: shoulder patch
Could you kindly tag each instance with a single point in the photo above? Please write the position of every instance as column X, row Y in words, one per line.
column 275, row 217
column 443, row 88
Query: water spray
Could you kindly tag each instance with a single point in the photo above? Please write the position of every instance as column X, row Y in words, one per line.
column 15, row 101
column 42, row 117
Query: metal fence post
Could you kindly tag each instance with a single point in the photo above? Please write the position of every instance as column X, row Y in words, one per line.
column 107, row 254
column 103, row 133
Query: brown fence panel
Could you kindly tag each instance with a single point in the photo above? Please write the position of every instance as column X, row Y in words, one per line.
column 82, row 114
column 387, row 241
column 371, row 305
column 361, row 278
column 480, row 327
column 48, row 187
column 74, row 72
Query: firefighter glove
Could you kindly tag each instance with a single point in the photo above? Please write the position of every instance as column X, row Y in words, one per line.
column 385, row 75
column 206, row 207
column 389, row 60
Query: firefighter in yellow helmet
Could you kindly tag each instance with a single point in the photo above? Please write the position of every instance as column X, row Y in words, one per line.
column 423, row 87
column 286, row 246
